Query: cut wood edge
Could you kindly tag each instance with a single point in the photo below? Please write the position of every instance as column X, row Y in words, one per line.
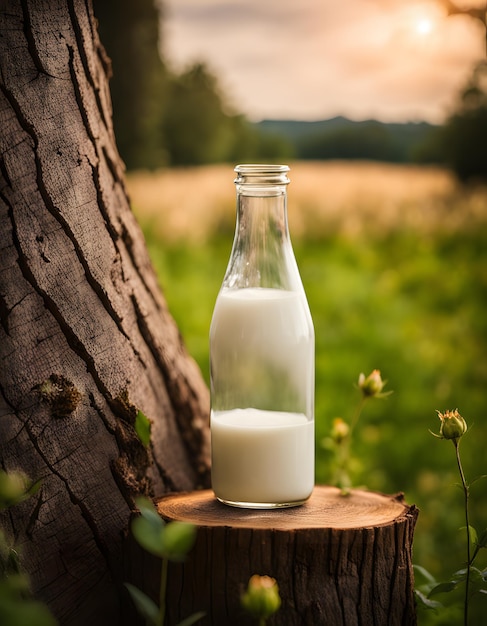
column 326, row 508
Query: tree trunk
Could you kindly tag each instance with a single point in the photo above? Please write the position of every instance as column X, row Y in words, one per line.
column 338, row 560
column 86, row 340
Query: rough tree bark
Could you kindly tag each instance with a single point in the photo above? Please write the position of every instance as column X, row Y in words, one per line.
column 86, row 339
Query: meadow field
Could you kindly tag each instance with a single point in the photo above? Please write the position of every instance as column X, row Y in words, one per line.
column 394, row 263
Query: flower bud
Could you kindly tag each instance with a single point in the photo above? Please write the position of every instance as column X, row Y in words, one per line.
column 452, row 426
column 371, row 385
column 340, row 430
column 262, row 598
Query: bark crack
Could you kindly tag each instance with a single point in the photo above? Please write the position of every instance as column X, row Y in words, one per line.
column 84, row 61
column 126, row 238
column 85, row 512
column 79, row 98
column 102, row 206
column 101, row 413
column 225, row 569
column 377, row 606
column 73, row 341
column 110, row 164
column 397, row 551
column 170, row 484
column 14, row 412
column 293, row 573
column 31, row 43
column 362, row 576
column 129, row 246
column 114, row 235
column 122, row 470
column 194, row 446
column 49, row 204
column 4, row 313
column 338, row 575
column 3, row 169
column 114, row 171
column 126, row 440
column 34, row 515
column 100, row 49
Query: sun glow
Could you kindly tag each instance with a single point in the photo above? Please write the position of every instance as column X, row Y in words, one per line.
column 424, row 26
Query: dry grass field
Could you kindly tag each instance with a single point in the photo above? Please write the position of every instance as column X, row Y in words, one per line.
column 324, row 197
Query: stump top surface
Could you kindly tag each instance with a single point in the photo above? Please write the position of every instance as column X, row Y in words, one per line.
column 326, row 508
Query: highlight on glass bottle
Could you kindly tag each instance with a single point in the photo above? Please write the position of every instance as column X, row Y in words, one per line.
column 262, row 356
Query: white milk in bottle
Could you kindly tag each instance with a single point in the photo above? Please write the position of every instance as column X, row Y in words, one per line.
column 262, row 358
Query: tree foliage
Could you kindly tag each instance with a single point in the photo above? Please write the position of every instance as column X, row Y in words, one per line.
column 165, row 118
column 138, row 85
column 464, row 136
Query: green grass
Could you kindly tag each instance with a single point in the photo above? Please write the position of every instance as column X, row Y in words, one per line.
column 413, row 307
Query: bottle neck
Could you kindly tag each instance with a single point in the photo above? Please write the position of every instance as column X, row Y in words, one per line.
column 262, row 254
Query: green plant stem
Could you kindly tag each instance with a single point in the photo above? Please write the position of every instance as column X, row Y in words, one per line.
column 469, row 559
column 357, row 413
column 342, row 453
column 162, row 592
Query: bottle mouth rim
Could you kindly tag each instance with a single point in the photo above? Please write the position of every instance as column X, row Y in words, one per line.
column 261, row 168
column 257, row 175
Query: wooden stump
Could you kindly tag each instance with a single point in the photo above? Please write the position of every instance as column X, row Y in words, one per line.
column 338, row 560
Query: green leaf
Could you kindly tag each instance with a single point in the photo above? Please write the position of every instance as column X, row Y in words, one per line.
column 149, row 529
column 149, row 534
column 426, row 575
column 482, row 543
column 192, row 619
column 476, row 575
column 146, row 607
column 142, row 428
column 460, row 573
column 430, row 604
column 472, row 534
column 478, row 478
column 22, row 612
column 178, row 539
column 16, row 585
column 17, row 608
column 443, row 588
column 148, row 510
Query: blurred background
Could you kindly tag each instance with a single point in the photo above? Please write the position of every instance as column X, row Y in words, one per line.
column 380, row 109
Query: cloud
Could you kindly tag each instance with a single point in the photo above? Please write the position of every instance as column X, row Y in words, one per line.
column 319, row 58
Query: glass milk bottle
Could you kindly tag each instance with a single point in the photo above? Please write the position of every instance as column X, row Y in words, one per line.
column 262, row 356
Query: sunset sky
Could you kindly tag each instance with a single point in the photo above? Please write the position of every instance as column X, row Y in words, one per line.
column 394, row 60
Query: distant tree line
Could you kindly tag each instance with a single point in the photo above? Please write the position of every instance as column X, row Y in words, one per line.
column 342, row 138
column 163, row 118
